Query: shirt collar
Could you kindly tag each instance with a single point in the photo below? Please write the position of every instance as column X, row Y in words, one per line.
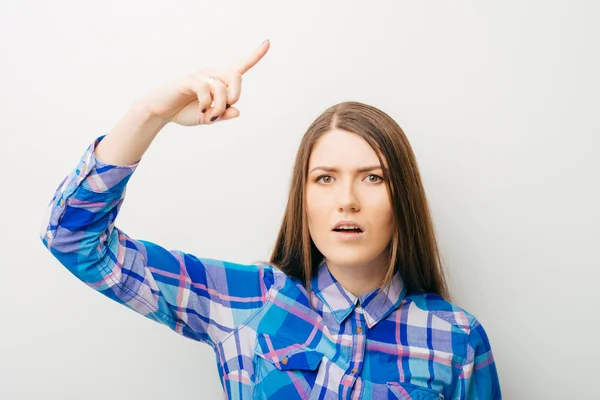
column 341, row 302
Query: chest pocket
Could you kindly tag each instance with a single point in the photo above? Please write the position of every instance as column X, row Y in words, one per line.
column 284, row 368
column 407, row 391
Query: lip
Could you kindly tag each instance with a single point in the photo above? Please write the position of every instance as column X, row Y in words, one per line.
column 348, row 223
column 348, row 236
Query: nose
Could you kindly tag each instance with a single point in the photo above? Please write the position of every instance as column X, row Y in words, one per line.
column 347, row 199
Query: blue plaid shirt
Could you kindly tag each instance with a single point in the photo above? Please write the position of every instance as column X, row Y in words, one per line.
column 269, row 342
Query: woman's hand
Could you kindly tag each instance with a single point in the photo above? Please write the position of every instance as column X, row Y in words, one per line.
column 196, row 99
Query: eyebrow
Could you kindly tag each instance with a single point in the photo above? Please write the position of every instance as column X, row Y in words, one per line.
column 335, row 169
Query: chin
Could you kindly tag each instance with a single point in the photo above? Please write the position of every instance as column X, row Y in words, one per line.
column 349, row 258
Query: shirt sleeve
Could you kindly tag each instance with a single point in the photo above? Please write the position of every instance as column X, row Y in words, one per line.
column 478, row 378
column 199, row 298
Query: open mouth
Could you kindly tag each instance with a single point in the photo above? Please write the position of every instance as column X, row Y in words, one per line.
column 348, row 231
column 345, row 230
column 348, row 235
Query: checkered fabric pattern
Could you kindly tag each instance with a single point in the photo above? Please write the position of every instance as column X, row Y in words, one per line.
column 269, row 341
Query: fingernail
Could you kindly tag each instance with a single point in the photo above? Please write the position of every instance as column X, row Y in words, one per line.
column 204, row 110
column 213, row 118
column 227, row 106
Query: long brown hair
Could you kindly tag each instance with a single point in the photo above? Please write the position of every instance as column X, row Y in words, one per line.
column 413, row 249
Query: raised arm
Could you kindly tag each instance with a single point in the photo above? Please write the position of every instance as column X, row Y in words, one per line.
column 203, row 299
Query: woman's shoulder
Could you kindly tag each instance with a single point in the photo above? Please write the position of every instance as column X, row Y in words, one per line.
column 423, row 303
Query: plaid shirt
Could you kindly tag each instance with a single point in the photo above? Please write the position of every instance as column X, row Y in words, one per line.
column 269, row 342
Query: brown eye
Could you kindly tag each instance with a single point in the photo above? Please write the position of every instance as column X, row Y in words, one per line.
column 378, row 178
column 322, row 179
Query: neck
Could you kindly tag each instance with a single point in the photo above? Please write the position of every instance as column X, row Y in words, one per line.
column 359, row 279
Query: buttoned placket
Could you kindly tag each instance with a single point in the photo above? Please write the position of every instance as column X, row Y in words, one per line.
column 359, row 340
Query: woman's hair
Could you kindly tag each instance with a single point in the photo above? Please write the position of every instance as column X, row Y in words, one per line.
column 413, row 249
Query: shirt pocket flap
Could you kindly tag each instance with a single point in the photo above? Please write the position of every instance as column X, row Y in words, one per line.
column 407, row 391
column 287, row 354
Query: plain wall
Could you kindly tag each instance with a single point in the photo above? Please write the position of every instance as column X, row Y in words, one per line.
column 498, row 99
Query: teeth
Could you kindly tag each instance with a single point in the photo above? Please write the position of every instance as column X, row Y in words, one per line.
column 348, row 227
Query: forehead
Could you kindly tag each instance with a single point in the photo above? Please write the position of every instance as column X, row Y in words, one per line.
column 341, row 148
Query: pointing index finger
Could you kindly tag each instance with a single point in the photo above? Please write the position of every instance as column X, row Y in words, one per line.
column 245, row 64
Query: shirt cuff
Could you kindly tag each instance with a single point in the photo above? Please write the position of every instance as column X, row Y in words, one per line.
column 92, row 181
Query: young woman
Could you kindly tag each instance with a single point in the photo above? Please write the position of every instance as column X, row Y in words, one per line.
column 353, row 303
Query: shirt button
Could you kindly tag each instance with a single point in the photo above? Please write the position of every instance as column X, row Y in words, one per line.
column 84, row 168
column 359, row 330
column 62, row 202
column 50, row 234
column 354, row 370
column 285, row 360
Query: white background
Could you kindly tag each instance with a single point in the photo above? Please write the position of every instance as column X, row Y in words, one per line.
column 499, row 100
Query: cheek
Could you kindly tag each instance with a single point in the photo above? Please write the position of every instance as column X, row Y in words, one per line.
column 314, row 210
column 382, row 216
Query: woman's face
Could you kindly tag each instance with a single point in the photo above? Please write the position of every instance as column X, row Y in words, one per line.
column 342, row 186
